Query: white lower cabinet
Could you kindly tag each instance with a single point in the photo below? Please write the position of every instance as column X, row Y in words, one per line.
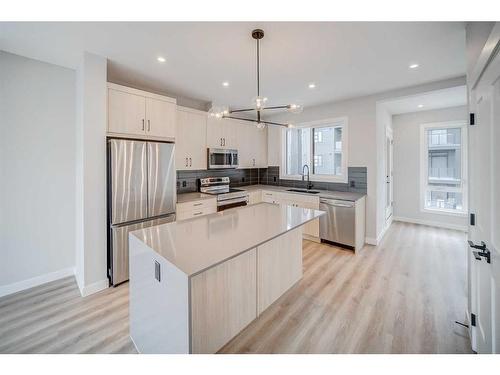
column 223, row 302
column 254, row 197
column 188, row 210
column 311, row 229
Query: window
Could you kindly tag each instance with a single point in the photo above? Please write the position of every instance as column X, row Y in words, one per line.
column 443, row 163
column 321, row 145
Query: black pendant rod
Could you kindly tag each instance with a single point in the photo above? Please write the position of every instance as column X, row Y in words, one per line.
column 252, row 120
column 258, row 67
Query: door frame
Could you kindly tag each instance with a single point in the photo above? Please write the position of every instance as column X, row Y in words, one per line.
column 389, row 175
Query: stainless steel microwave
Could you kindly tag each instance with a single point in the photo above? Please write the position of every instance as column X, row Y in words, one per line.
column 219, row 158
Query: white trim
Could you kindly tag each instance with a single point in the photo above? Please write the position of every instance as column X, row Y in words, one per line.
column 376, row 241
column 337, row 121
column 35, row 281
column 94, row 288
column 462, row 228
column 424, row 166
column 130, row 90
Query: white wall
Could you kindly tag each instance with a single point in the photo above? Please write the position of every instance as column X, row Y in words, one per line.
column 37, row 159
column 366, row 141
column 90, row 198
column 406, row 131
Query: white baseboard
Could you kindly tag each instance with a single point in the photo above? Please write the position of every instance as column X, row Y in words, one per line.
column 431, row 223
column 376, row 241
column 35, row 281
column 94, row 288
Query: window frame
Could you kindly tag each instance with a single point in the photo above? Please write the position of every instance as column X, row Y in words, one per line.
column 424, row 167
column 325, row 123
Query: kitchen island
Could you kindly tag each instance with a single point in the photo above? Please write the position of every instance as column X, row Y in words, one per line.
column 196, row 284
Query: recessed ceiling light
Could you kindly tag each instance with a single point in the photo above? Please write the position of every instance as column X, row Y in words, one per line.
column 312, row 85
column 420, row 106
column 225, row 84
column 161, row 59
column 413, row 66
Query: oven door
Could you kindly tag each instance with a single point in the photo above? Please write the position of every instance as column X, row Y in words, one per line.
column 222, row 159
column 231, row 203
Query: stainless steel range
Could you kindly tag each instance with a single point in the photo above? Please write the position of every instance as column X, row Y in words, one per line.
column 226, row 197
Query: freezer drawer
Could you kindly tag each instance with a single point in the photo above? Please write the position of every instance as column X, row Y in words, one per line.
column 339, row 223
column 119, row 246
column 128, row 180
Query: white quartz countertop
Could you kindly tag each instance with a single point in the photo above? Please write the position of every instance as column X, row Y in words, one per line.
column 190, row 197
column 197, row 244
column 342, row 195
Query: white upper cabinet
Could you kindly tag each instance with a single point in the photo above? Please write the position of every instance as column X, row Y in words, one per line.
column 160, row 118
column 139, row 113
column 252, row 145
column 222, row 133
column 126, row 113
column 190, row 138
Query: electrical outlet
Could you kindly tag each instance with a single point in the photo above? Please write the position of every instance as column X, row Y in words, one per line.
column 184, row 183
column 243, row 179
column 275, row 179
column 351, row 183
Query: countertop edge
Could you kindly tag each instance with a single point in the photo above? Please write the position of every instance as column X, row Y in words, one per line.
column 191, row 274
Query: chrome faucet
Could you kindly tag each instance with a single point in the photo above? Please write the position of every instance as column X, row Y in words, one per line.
column 309, row 183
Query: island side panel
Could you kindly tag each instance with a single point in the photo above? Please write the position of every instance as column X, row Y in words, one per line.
column 159, row 310
column 223, row 302
column 279, row 267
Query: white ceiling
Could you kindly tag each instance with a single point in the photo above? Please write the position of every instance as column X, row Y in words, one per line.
column 343, row 59
column 450, row 97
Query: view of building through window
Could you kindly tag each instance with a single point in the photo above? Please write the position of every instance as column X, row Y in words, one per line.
column 444, row 169
column 328, row 150
column 319, row 147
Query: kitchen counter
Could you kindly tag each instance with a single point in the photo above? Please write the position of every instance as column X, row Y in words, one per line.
column 342, row 195
column 195, row 245
column 196, row 284
column 190, row 197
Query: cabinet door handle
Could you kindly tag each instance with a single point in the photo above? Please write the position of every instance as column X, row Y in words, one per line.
column 142, row 124
column 221, row 141
column 149, row 125
column 224, row 141
column 186, row 162
column 190, row 162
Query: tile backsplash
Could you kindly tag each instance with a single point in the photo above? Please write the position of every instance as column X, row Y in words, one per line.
column 187, row 181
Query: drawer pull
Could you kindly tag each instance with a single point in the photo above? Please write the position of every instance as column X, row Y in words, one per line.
column 197, row 213
column 197, row 204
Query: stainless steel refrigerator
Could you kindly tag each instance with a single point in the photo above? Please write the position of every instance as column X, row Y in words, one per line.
column 141, row 193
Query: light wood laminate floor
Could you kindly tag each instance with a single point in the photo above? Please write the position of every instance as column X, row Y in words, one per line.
column 402, row 296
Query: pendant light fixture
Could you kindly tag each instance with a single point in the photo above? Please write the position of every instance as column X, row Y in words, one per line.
column 259, row 102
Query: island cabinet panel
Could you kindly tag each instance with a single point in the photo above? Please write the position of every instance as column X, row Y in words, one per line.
column 279, row 267
column 223, row 302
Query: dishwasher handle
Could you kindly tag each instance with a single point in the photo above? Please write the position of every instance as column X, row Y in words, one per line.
column 337, row 203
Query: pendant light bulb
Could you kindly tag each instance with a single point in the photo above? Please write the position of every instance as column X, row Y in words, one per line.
column 259, row 102
column 260, row 125
column 295, row 108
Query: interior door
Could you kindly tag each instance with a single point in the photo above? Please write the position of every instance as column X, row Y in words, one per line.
column 160, row 118
column 389, row 174
column 161, row 179
column 484, row 203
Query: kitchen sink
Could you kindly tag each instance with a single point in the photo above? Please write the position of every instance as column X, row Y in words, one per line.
column 304, row 191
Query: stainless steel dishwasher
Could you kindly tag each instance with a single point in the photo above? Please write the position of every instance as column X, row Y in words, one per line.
column 338, row 224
